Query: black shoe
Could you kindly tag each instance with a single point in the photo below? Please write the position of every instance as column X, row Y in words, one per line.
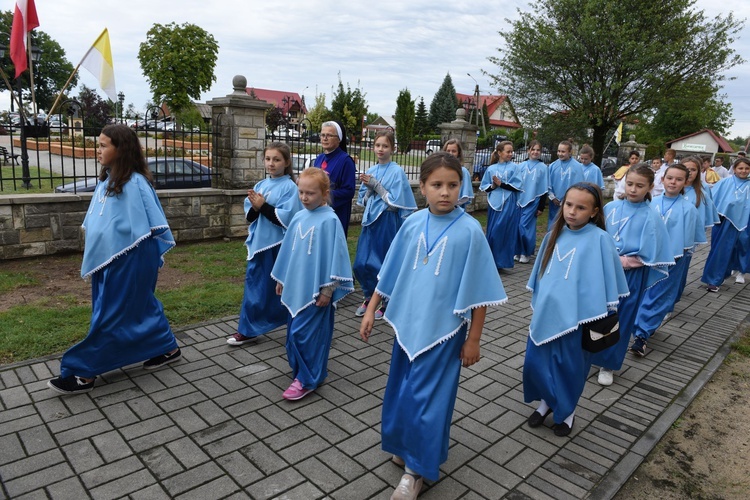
column 536, row 419
column 70, row 385
column 639, row 347
column 562, row 429
column 164, row 359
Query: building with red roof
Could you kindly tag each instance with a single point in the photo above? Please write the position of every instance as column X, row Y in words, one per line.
column 292, row 106
column 499, row 109
column 704, row 141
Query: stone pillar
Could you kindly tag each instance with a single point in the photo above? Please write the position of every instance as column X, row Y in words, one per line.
column 463, row 131
column 623, row 152
column 239, row 127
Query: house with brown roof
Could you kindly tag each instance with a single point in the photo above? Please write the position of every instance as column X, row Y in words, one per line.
column 703, row 142
column 499, row 109
column 292, row 106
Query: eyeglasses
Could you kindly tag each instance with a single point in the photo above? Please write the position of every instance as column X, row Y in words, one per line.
column 329, row 136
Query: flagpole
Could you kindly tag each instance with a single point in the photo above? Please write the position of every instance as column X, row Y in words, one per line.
column 62, row 91
column 10, row 88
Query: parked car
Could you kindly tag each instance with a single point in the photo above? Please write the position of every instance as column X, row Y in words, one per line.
column 432, row 146
column 481, row 162
column 169, row 173
column 311, row 137
column 57, row 126
column 609, row 166
column 301, row 162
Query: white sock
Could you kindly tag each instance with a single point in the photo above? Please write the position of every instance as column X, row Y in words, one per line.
column 412, row 472
column 569, row 420
column 543, row 407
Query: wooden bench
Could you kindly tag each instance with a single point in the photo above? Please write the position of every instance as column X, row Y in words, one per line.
column 8, row 156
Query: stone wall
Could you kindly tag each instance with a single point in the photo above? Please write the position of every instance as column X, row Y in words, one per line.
column 35, row 225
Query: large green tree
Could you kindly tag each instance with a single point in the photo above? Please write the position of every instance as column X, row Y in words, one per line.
column 318, row 113
column 404, row 120
column 178, row 61
column 50, row 72
column 602, row 60
column 421, row 119
column 349, row 107
column 444, row 104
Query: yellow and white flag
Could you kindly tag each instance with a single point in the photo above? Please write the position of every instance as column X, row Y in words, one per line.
column 618, row 139
column 98, row 60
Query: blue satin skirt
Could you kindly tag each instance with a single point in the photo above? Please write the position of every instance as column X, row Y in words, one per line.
column 262, row 310
column 553, row 210
column 659, row 300
column 502, row 232
column 720, row 258
column 527, row 229
column 627, row 310
column 688, row 257
column 556, row 372
column 418, row 405
column 741, row 255
column 128, row 324
column 373, row 244
column 308, row 343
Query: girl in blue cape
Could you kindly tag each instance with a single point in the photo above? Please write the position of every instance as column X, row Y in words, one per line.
column 127, row 235
column 591, row 171
column 685, row 232
column 642, row 242
column 534, row 182
column 732, row 198
column 388, row 199
column 336, row 162
column 313, row 273
column 269, row 208
column 563, row 173
column 502, row 184
column 466, row 196
column 577, row 278
column 439, row 277
column 697, row 193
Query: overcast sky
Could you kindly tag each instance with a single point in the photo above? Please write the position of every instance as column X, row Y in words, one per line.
column 301, row 46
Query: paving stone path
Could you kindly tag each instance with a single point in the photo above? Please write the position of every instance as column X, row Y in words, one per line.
column 215, row 426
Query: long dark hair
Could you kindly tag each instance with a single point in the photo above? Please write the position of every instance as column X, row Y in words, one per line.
column 697, row 183
column 129, row 158
column 559, row 222
column 441, row 159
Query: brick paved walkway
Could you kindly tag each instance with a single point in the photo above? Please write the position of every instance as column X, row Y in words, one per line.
column 215, row 425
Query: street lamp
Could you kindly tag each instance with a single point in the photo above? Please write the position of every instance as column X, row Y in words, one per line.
column 27, row 127
column 121, row 98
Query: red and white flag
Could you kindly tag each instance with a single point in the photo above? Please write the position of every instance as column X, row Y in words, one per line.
column 24, row 20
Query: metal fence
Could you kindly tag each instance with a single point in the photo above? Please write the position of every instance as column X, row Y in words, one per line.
column 62, row 155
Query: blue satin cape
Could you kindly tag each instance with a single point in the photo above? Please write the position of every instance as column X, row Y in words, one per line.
column 281, row 193
column 466, row 195
column 429, row 302
column 582, row 282
column 313, row 255
column 593, row 174
column 562, row 175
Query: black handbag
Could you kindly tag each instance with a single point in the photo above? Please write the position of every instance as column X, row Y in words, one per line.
column 601, row 334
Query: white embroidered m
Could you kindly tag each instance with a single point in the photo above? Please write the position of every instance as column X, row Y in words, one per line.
column 298, row 233
column 440, row 245
column 563, row 258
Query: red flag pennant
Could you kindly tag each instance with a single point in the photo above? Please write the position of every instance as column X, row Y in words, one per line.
column 24, row 20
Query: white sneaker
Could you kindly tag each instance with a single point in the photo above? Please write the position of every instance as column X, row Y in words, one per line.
column 516, row 257
column 740, row 278
column 606, row 377
column 408, row 488
column 523, row 259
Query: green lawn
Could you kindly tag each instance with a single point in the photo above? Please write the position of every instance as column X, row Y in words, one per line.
column 42, row 180
column 213, row 289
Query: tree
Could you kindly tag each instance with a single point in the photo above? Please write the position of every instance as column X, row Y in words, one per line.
column 96, row 111
column 319, row 113
column 444, row 105
column 349, row 107
column 605, row 60
column 178, row 61
column 274, row 118
column 50, row 72
column 404, row 120
column 421, row 120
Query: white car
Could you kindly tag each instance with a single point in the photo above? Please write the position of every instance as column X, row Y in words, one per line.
column 301, row 162
column 433, row 146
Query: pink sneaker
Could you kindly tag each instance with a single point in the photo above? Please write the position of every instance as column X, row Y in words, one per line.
column 296, row 391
